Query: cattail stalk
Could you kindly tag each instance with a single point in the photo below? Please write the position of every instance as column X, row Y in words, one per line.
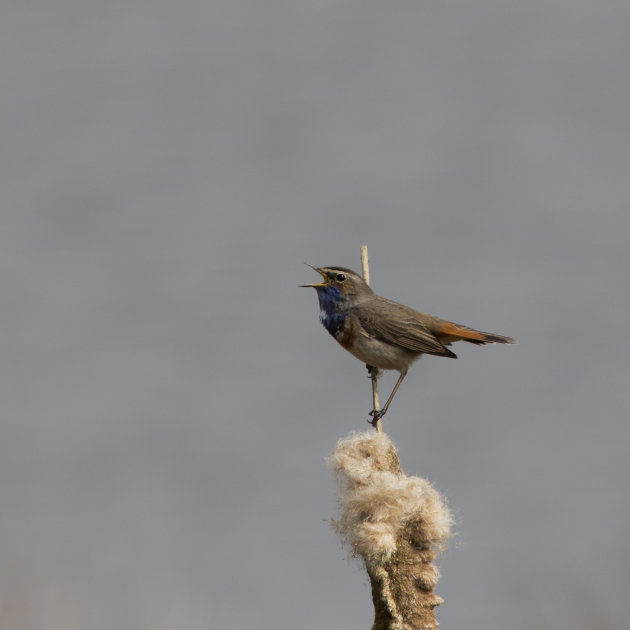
column 396, row 524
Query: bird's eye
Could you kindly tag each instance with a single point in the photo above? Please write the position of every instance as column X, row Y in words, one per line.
column 340, row 277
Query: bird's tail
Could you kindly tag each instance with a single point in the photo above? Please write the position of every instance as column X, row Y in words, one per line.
column 450, row 332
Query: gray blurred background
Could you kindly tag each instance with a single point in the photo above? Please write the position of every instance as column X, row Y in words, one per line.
column 168, row 394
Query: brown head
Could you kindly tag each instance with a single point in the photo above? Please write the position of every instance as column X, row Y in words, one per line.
column 339, row 285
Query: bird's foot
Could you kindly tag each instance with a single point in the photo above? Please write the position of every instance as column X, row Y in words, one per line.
column 376, row 416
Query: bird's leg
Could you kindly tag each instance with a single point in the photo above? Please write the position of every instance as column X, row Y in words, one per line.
column 379, row 414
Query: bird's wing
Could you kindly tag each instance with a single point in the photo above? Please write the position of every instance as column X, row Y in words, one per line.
column 399, row 325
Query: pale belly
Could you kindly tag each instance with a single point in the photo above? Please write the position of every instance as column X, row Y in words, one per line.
column 381, row 355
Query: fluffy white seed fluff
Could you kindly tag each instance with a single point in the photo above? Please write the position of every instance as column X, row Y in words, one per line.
column 377, row 499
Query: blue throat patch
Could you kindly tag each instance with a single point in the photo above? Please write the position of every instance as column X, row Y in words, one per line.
column 330, row 298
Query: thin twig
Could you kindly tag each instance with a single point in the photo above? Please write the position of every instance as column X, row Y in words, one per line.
column 378, row 424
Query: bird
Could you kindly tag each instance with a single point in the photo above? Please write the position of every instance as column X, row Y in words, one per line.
column 382, row 333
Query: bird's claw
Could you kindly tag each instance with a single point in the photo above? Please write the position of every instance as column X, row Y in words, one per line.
column 376, row 416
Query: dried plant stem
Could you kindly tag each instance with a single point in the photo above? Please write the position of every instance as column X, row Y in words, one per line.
column 365, row 264
column 376, row 405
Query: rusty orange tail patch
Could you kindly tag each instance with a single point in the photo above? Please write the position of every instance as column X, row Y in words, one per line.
column 447, row 332
column 454, row 331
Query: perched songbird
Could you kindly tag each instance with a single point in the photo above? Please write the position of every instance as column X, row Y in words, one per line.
column 382, row 333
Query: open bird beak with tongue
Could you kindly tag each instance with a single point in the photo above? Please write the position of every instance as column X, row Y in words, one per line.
column 323, row 274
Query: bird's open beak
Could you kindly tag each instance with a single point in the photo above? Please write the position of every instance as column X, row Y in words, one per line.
column 321, row 273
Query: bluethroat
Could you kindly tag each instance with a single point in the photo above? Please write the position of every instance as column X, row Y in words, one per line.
column 382, row 333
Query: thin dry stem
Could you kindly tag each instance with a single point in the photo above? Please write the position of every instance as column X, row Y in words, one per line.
column 376, row 405
column 365, row 265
